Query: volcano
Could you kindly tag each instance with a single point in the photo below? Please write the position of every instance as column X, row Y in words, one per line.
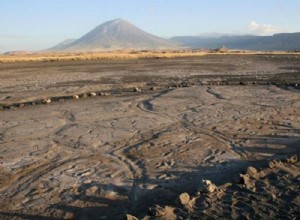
column 113, row 35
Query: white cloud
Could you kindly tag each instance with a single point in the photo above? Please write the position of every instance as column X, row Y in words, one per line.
column 262, row 29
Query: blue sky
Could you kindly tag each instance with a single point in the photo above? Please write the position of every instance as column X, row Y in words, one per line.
column 39, row 24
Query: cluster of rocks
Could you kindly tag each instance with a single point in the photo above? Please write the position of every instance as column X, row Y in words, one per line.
column 212, row 201
column 60, row 99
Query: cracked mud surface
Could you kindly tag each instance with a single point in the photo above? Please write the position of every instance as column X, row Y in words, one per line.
column 105, row 156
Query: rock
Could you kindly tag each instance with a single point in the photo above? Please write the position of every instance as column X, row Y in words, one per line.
column 92, row 191
column 136, row 89
column 251, row 171
column 156, row 211
column 75, row 96
column 47, row 101
column 130, row 217
column 41, row 186
column 104, row 94
column 274, row 163
column 246, row 181
column 152, row 186
column 293, row 159
column 244, row 178
column 93, row 94
column 207, row 186
column 162, row 176
column 184, row 198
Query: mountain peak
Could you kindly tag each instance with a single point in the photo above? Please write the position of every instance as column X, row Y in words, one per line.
column 120, row 20
column 116, row 22
column 117, row 34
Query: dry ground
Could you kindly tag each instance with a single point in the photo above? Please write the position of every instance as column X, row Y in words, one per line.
column 121, row 151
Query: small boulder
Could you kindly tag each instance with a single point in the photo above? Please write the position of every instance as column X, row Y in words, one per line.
column 104, row 94
column 47, row 101
column 247, row 182
column 136, row 89
column 184, row 198
column 292, row 159
column 207, row 187
column 274, row 163
column 156, row 211
column 75, row 96
column 251, row 171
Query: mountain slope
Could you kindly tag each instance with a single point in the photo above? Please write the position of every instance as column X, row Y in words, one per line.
column 116, row 34
column 63, row 44
column 284, row 41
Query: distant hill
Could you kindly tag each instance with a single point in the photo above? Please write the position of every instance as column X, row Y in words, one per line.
column 283, row 41
column 112, row 35
column 17, row 53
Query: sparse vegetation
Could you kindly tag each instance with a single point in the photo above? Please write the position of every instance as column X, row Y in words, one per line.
column 124, row 54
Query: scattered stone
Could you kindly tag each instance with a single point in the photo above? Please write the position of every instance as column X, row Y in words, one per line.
column 130, row 217
column 6, row 97
column 92, row 191
column 47, row 101
column 136, row 89
column 156, row 211
column 274, row 163
column 152, row 186
column 251, row 171
column 207, row 187
column 163, row 176
column 184, row 198
column 104, row 94
column 75, row 96
column 292, row 159
column 246, row 181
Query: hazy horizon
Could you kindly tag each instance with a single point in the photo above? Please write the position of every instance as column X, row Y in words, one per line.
column 35, row 24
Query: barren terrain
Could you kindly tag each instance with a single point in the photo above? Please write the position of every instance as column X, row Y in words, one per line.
column 104, row 138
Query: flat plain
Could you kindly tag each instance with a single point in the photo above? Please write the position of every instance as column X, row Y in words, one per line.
column 99, row 139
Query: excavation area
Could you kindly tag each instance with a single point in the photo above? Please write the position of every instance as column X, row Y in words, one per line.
column 216, row 136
